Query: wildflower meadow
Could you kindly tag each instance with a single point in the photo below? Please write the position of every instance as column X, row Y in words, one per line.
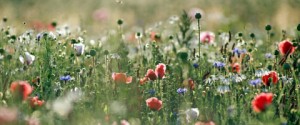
column 188, row 68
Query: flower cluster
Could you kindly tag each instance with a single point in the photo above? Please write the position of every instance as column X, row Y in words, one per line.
column 159, row 73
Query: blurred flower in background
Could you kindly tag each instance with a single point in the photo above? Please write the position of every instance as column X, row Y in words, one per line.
column 101, row 15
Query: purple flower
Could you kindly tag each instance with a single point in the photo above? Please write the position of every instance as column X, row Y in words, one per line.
column 255, row 82
column 239, row 51
column 65, row 78
column 268, row 55
column 39, row 36
column 219, row 65
column 181, row 90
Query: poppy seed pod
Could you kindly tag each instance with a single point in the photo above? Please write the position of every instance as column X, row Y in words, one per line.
column 198, row 16
column 268, row 27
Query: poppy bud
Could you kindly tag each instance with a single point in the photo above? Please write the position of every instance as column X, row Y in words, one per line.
column 2, row 51
column 54, row 24
column 268, row 27
column 252, row 35
column 240, row 34
column 5, row 20
column 93, row 52
column 286, row 66
column 198, row 16
column 120, row 22
column 269, row 67
column 276, row 52
column 106, row 52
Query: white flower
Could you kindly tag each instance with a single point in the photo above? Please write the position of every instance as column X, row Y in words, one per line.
column 192, row 114
column 64, row 105
column 28, row 58
column 52, row 35
column 223, row 89
column 79, row 48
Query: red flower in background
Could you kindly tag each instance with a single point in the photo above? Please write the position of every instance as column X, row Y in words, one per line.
column 151, row 74
column 39, row 26
column 143, row 80
column 154, row 36
column 35, row 102
column 121, row 78
column 160, row 70
column 270, row 77
column 154, row 103
column 21, row 88
column 261, row 101
column 286, row 47
column 236, row 68
column 191, row 84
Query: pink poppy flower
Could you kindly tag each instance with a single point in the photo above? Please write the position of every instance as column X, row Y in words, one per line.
column 207, row 37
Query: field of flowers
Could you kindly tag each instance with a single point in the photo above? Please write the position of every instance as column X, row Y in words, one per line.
column 175, row 72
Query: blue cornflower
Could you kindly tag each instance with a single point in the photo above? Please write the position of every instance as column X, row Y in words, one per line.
column 239, row 51
column 268, row 55
column 65, row 78
column 181, row 90
column 219, row 65
column 196, row 65
column 152, row 91
column 39, row 36
column 255, row 82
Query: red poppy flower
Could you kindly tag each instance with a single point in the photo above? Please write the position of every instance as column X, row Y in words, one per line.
column 191, row 84
column 143, row 80
column 236, row 68
column 286, row 47
column 50, row 27
column 151, row 74
column 261, row 101
column 270, row 77
column 35, row 102
column 121, row 78
column 154, row 103
column 160, row 70
column 21, row 87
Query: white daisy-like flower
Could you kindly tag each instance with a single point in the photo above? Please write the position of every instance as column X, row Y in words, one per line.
column 261, row 72
column 79, row 48
column 223, row 89
column 28, row 58
column 192, row 114
column 286, row 79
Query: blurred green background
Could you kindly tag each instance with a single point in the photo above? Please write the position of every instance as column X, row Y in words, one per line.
column 98, row 15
